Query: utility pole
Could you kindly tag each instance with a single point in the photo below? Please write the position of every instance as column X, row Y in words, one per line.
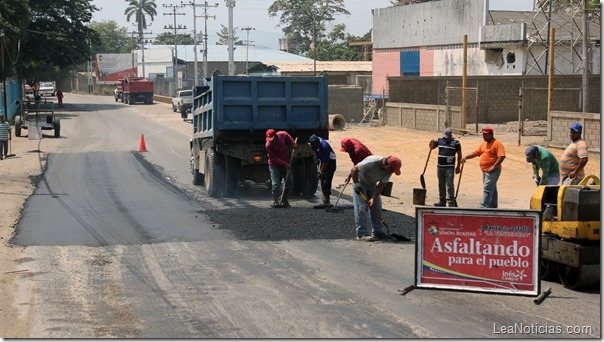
column 4, row 100
column 175, row 28
column 231, row 4
column 247, row 47
column 205, row 5
column 586, row 59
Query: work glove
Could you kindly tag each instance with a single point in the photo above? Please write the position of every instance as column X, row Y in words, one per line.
column 537, row 179
column 433, row 144
column 357, row 188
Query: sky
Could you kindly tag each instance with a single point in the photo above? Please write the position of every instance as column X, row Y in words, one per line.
column 254, row 13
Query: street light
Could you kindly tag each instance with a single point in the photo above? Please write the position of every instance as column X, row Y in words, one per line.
column 247, row 47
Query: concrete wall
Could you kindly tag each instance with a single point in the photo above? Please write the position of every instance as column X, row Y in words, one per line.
column 430, row 23
column 421, row 116
column 498, row 98
column 558, row 126
column 347, row 101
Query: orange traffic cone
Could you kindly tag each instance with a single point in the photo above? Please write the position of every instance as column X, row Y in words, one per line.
column 141, row 146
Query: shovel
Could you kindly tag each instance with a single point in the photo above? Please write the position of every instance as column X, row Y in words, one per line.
column 421, row 178
column 459, row 181
column 335, row 209
column 379, row 218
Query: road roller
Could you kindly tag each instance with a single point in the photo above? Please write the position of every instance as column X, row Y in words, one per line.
column 570, row 232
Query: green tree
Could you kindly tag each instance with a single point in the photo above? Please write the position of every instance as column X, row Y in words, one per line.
column 140, row 9
column 223, row 36
column 57, row 39
column 113, row 39
column 167, row 38
column 336, row 48
column 15, row 16
column 304, row 21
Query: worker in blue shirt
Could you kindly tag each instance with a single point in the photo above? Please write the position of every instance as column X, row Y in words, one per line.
column 326, row 164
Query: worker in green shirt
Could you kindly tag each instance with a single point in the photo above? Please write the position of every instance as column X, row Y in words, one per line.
column 543, row 159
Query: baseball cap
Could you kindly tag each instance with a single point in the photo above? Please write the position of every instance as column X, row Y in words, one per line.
column 346, row 143
column 396, row 164
column 576, row 127
column 487, row 130
column 447, row 133
column 314, row 140
column 270, row 133
column 530, row 153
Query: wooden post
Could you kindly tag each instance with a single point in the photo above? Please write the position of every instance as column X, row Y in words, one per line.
column 520, row 113
column 550, row 83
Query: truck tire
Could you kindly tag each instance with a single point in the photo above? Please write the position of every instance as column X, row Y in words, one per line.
column 57, row 126
column 305, row 179
column 214, row 173
column 18, row 125
column 173, row 108
column 131, row 99
column 232, row 176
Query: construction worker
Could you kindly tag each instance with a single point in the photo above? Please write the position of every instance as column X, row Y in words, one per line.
column 326, row 164
column 278, row 165
column 356, row 150
column 369, row 178
column 574, row 158
column 448, row 148
column 541, row 158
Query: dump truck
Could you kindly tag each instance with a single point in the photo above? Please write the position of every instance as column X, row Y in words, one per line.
column 136, row 89
column 230, row 117
column 570, row 232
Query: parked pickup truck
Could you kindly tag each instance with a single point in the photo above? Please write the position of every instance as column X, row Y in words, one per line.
column 182, row 101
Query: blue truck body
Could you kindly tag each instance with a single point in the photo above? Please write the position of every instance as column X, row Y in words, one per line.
column 230, row 117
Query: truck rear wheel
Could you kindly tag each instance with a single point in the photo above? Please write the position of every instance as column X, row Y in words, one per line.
column 214, row 173
column 305, row 179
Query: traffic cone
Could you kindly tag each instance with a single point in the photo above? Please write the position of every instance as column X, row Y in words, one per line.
column 141, row 146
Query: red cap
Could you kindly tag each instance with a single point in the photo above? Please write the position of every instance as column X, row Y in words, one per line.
column 270, row 133
column 346, row 143
column 396, row 164
column 487, row 130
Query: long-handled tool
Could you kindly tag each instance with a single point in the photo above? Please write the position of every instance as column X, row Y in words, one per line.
column 335, row 209
column 459, row 182
column 379, row 218
column 421, row 178
column 289, row 167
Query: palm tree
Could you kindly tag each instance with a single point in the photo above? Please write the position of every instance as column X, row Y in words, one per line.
column 140, row 8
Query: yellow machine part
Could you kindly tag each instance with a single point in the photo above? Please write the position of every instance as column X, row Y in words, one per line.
column 589, row 230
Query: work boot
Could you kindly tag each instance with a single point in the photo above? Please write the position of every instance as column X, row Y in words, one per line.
column 275, row 202
column 452, row 204
column 284, row 201
column 440, row 203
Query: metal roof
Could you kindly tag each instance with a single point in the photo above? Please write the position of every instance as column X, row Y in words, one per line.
column 329, row 66
column 219, row 53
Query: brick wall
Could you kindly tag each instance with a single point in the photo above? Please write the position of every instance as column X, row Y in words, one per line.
column 420, row 116
column 559, row 123
column 347, row 101
column 498, row 97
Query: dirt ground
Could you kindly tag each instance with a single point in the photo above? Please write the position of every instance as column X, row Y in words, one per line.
column 19, row 174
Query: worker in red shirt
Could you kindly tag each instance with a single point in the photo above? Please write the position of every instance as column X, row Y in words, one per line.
column 356, row 150
column 278, row 165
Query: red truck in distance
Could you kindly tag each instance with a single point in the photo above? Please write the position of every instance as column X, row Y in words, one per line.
column 136, row 89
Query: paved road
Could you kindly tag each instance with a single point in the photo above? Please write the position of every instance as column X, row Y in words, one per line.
column 118, row 246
